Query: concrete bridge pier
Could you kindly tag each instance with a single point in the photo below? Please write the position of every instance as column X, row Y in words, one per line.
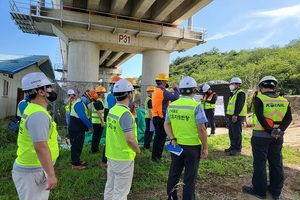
column 154, row 62
column 83, row 61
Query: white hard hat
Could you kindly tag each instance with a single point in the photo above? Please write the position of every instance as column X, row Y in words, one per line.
column 268, row 80
column 187, row 82
column 236, row 80
column 35, row 80
column 205, row 87
column 123, row 85
column 70, row 91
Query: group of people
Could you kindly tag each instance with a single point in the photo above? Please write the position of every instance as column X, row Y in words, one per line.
column 174, row 114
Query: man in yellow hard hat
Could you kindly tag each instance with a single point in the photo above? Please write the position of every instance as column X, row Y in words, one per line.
column 148, row 118
column 161, row 98
column 97, row 117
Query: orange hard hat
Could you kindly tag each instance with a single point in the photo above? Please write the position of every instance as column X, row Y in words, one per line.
column 114, row 79
column 93, row 94
column 162, row 77
column 150, row 88
column 100, row 89
column 133, row 82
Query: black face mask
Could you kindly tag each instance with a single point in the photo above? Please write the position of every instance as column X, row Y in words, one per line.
column 52, row 96
column 167, row 85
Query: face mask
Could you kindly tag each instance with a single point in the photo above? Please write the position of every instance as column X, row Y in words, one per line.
column 52, row 96
column 231, row 87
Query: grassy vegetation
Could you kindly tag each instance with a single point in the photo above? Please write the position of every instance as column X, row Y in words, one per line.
column 149, row 180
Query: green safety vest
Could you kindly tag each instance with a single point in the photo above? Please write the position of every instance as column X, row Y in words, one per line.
column 18, row 108
column 26, row 154
column 207, row 105
column 116, row 146
column 182, row 117
column 147, row 115
column 273, row 108
column 74, row 113
column 68, row 106
column 105, row 103
column 231, row 105
column 95, row 117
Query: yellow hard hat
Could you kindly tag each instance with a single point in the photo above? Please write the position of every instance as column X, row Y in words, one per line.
column 162, row 77
column 100, row 89
column 133, row 82
column 150, row 88
column 114, row 79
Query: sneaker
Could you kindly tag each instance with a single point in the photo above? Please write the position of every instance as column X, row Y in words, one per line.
column 211, row 135
column 234, row 153
column 250, row 190
column 80, row 167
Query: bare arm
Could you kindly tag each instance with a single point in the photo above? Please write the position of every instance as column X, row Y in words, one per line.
column 44, row 155
column 203, row 137
column 131, row 141
column 99, row 113
column 169, row 132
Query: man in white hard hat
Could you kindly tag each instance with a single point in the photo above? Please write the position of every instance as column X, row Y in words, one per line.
column 209, row 105
column 185, row 126
column 33, row 173
column 68, row 103
column 273, row 116
column 121, row 143
column 236, row 113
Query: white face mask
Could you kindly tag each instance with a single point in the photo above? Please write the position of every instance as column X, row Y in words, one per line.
column 231, row 87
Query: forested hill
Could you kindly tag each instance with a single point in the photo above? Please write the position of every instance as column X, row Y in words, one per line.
column 249, row 65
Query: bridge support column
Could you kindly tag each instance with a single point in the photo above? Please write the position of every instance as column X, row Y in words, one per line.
column 154, row 62
column 83, row 61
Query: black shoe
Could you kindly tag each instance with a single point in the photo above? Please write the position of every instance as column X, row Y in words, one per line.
column 250, row 190
column 234, row 153
column 275, row 197
column 227, row 150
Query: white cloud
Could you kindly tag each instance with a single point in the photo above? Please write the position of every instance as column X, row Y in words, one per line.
column 265, row 38
column 229, row 33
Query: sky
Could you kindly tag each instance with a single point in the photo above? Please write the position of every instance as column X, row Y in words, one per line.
column 230, row 25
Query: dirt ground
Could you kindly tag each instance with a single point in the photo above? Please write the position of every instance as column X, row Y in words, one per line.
column 232, row 188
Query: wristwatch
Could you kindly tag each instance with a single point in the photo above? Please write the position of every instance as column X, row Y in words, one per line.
column 173, row 139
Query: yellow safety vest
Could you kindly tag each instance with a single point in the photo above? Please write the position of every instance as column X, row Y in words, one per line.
column 147, row 115
column 231, row 105
column 182, row 117
column 207, row 105
column 68, row 106
column 26, row 154
column 116, row 146
column 95, row 117
column 105, row 104
column 74, row 113
column 273, row 108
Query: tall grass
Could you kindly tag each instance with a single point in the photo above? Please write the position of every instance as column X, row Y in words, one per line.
column 149, row 181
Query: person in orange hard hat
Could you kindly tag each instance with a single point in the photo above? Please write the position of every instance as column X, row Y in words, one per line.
column 97, row 117
column 132, row 106
column 161, row 98
column 148, row 118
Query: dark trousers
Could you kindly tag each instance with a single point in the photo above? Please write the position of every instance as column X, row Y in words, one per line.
column 159, row 138
column 235, row 133
column 210, row 113
column 97, row 134
column 189, row 160
column 264, row 149
column 77, row 140
column 148, row 134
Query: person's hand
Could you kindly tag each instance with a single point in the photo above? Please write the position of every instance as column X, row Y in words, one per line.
column 234, row 118
column 174, row 85
column 51, row 182
column 204, row 153
column 276, row 133
column 174, row 143
column 102, row 124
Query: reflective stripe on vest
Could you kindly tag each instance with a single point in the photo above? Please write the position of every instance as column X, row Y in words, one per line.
column 116, row 146
column 95, row 117
column 207, row 105
column 147, row 115
column 182, row 117
column 231, row 105
column 26, row 154
column 74, row 113
column 273, row 108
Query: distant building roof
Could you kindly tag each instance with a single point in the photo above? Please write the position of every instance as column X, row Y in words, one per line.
column 11, row 64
